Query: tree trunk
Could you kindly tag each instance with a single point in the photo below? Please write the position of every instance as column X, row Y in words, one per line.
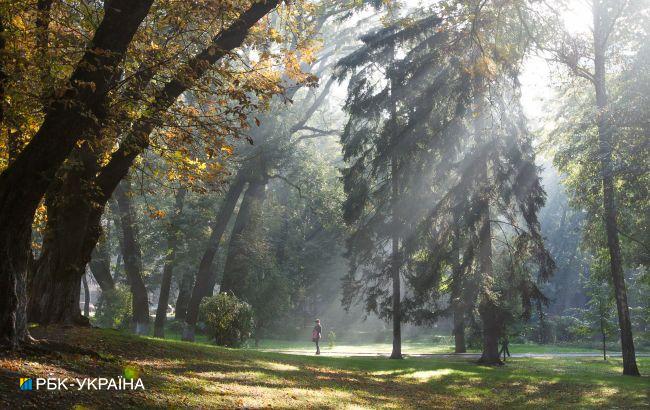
column 67, row 119
column 203, row 275
column 459, row 330
column 605, row 137
column 602, row 332
column 491, row 331
column 236, row 275
column 457, row 303
column 170, row 258
column 184, row 294
column 133, row 260
column 54, row 291
column 488, row 309
column 395, row 224
column 136, row 141
column 395, row 269
column 100, row 265
column 542, row 322
column 66, row 245
column 86, row 296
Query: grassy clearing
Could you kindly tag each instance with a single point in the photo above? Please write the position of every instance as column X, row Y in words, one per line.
column 178, row 374
column 408, row 347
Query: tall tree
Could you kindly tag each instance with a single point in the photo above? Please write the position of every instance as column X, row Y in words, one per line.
column 100, row 264
column 371, row 146
column 68, row 118
column 170, row 260
column 133, row 258
column 100, row 183
column 205, row 271
column 237, row 276
column 605, row 13
column 587, row 57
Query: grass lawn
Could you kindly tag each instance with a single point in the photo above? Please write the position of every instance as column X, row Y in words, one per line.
column 180, row 375
column 408, row 347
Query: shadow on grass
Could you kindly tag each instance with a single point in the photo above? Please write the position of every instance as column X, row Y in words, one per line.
column 178, row 374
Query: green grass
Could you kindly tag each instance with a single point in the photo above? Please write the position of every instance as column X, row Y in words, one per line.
column 181, row 375
column 408, row 347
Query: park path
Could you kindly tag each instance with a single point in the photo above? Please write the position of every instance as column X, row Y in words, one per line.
column 325, row 353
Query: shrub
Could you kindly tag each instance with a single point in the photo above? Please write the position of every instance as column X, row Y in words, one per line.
column 331, row 339
column 442, row 340
column 568, row 329
column 227, row 319
column 114, row 309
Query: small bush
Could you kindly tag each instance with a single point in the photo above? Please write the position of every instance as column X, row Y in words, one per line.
column 175, row 326
column 331, row 339
column 568, row 329
column 114, row 308
column 442, row 340
column 227, row 319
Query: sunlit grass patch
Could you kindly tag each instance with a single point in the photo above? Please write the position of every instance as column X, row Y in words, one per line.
column 184, row 375
column 426, row 375
column 276, row 366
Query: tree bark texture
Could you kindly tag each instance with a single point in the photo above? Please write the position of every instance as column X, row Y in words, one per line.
column 67, row 246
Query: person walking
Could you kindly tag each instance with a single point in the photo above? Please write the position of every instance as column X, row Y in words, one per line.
column 316, row 335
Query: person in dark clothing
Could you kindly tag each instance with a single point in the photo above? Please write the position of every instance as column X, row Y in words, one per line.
column 504, row 348
column 316, row 335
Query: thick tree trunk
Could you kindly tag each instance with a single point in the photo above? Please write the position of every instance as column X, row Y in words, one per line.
column 15, row 252
column 488, row 309
column 236, row 275
column 170, row 258
column 135, row 142
column 86, row 296
column 66, row 245
column 54, row 294
column 205, row 267
column 491, row 332
column 121, row 161
column 605, row 137
column 459, row 330
column 67, row 119
column 133, row 260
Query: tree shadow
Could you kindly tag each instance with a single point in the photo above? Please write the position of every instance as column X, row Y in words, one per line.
column 184, row 375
